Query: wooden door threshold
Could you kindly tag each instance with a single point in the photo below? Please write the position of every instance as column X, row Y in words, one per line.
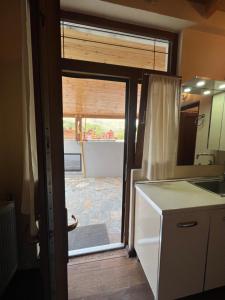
column 96, row 249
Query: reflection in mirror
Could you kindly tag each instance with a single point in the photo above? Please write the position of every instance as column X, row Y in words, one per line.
column 201, row 129
column 189, row 113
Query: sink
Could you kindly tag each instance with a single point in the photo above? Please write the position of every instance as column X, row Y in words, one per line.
column 214, row 186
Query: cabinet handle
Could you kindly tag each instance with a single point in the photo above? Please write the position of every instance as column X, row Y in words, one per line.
column 223, row 218
column 187, row 224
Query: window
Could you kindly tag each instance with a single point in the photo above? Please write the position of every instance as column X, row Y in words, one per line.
column 105, row 46
column 72, row 162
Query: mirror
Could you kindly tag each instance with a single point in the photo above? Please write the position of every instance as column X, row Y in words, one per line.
column 202, row 123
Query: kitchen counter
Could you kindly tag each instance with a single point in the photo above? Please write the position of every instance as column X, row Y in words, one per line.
column 179, row 237
column 172, row 196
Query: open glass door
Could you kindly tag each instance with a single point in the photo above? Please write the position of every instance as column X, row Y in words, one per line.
column 94, row 130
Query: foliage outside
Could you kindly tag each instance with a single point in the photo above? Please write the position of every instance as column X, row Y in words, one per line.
column 102, row 129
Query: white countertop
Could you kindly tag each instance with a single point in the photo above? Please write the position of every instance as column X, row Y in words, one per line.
column 171, row 196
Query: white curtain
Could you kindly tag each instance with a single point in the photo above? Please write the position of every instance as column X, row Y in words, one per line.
column 30, row 169
column 161, row 127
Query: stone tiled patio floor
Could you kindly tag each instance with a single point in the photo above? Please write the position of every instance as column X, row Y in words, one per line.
column 95, row 201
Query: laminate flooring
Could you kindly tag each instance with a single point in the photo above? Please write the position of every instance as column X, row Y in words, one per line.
column 114, row 276
column 107, row 276
column 104, row 276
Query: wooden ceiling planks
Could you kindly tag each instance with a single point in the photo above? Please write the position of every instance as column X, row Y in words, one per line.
column 93, row 98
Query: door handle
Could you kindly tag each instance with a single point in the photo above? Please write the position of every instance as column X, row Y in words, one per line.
column 187, row 224
column 74, row 225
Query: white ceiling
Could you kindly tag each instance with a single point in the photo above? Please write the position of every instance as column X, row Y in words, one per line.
column 126, row 14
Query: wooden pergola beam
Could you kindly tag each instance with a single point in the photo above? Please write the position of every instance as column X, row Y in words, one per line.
column 209, row 7
column 212, row 7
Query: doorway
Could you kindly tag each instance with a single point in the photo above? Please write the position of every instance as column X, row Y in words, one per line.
column 187, row 134
column 94, row 134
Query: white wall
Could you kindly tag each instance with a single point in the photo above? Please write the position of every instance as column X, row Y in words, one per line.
column 202, row 54
column 102, row 158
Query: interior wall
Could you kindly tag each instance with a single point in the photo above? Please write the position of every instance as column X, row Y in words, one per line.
column 11, row 136
column 202, row 54
column 11, row 99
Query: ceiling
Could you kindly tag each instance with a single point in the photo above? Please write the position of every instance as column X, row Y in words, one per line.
column 126, row 14
column 210, row 6
column 173, row 15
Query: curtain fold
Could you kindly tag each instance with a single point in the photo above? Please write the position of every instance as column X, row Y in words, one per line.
column 30, row 169
column 161, row 127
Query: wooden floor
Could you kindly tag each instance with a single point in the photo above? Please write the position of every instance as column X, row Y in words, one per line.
column 106, row 276
column 111, row 275
column 114, row 276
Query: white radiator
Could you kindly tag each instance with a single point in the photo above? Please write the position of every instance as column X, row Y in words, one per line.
column 8, row 243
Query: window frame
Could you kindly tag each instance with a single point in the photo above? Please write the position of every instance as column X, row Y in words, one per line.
column 93, row 21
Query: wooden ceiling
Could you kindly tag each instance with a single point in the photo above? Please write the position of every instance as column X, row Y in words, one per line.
column 113, row 48
column 210, row 6
column 92, row 98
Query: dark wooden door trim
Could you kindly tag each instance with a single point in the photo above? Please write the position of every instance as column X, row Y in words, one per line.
column 48, row 101
column 48, row 104
column 123, row 72
column 130, row 149
column 40, row 199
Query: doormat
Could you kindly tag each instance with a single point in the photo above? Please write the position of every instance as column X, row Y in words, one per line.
column 88, row 236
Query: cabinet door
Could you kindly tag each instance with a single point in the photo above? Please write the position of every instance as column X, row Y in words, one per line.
column 183, row 254
column 216, row 122
column 147, row 239
column 215, row 269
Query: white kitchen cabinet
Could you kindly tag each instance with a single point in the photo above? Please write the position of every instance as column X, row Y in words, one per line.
column 183, row 255
column 147, row 239
column 171, row 249
column 179, row 237
column 215, row 268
